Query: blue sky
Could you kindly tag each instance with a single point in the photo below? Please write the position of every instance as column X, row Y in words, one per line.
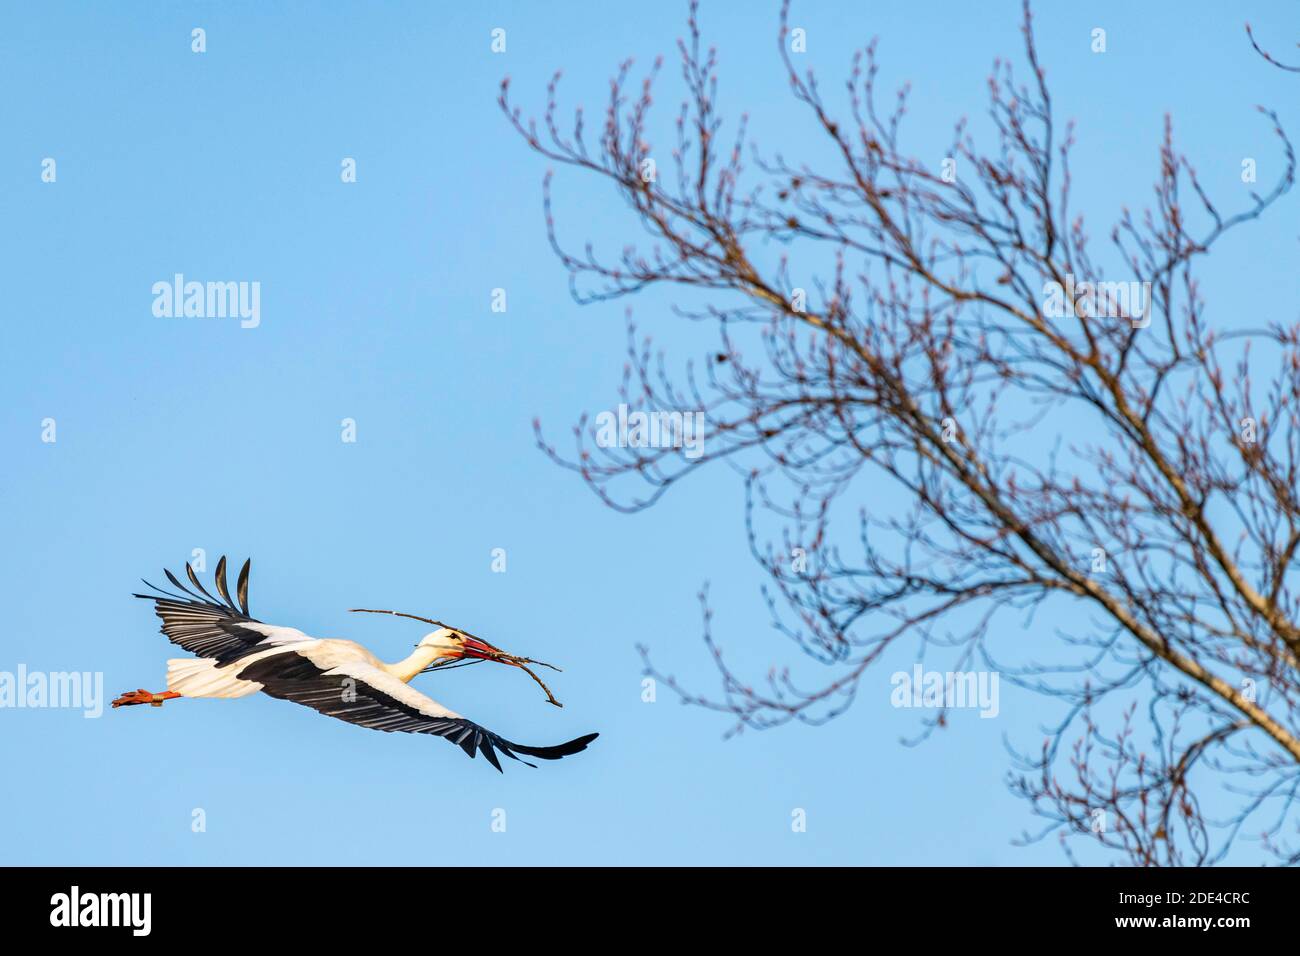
column 176, row 434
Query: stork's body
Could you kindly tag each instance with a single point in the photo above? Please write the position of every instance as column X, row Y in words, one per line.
column 239, row 655
column 205, row 677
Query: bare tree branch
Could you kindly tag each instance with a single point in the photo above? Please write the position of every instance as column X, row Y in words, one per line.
column 1069, row 429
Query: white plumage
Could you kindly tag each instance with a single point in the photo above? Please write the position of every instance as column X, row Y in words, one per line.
column 239, row 655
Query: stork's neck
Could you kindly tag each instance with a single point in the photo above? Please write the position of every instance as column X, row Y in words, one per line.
column 405, row 669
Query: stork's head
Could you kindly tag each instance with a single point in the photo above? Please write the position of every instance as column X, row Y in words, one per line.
column 454, row 644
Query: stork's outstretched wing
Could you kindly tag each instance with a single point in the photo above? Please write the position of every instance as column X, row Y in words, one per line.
column 359, row 692
column 205, row 626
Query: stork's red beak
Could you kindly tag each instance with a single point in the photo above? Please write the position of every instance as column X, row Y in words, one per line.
column 471, row 647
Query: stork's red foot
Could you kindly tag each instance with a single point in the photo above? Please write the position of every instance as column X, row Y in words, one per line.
column 143, row 696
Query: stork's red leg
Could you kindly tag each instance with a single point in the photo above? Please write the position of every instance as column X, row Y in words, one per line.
column 143, row 696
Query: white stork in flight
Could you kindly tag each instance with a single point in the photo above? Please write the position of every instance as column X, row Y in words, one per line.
column 239, row 655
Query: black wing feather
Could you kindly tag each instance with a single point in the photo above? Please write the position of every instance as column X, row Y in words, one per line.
column 162, row 591
column 291, row 676
column 203, row 625
column 241, row 589
column 180, row 587
column 486, row 749
column 194, row 579
column 220, row 579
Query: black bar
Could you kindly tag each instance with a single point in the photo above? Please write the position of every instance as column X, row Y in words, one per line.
column 207, row 905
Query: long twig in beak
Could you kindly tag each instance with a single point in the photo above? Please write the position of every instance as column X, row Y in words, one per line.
column 550, row 698
column 446, row 664
column 499, row 655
